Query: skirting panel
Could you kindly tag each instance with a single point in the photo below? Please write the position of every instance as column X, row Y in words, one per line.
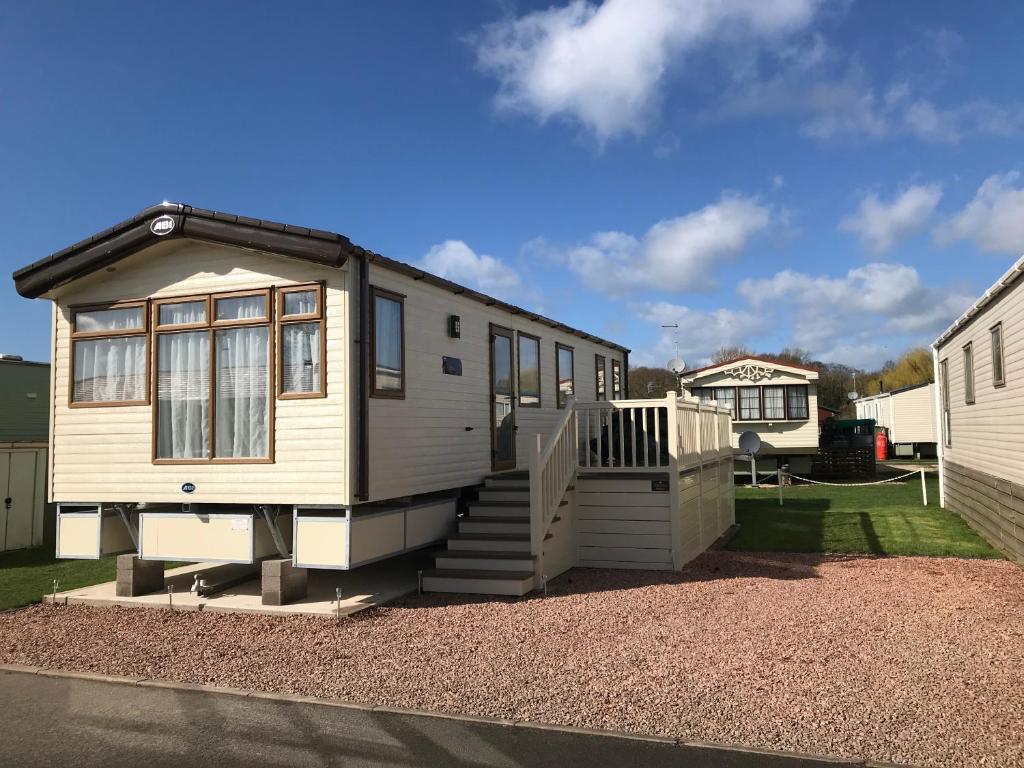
column 993, row 507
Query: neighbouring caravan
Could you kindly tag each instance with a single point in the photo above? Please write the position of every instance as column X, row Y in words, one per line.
column 777, row 401
column 908, row 417
column 25, row 518
column 979, row 403
column 229, row 389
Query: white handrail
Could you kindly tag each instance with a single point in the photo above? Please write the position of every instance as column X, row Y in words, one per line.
column 552, row 470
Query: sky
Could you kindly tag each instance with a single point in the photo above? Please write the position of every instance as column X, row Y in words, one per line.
column 843, row 177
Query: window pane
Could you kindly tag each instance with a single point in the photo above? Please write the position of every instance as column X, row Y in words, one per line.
column 774, row 403
column 243, row 393
column 616, row 380
column 241, row 308
column 300, row 353
column 388, row 344
column 529, row 371
column 997, row 355
column 602, row 392
column 182, row 313
column 726, row 397
column 706, row 395
column 100, row 320
column 110, row 370
column 566, row 386
column 299, row 302
column 183, row 395
column 797, row 402
column 969, row 374
column 750, row 403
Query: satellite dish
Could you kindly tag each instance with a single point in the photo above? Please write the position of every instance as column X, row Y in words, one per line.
column 750, row 442
column 852, row 395
column 677, row 365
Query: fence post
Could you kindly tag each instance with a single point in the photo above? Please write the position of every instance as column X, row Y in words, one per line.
column 674, row 450
column 924, row 488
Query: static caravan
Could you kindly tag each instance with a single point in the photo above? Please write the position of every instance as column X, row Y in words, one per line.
column 979, row 402
column 24, row 422
column 229, row 389
column 908, row 417
column 777, row 401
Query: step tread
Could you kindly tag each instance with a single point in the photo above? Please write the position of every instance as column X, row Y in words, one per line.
column 487, row 554
column 495, row 519
column 460, row 573
column 491, row 536
column 509, row 504
column 514, row 474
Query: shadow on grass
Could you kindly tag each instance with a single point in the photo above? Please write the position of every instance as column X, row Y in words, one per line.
column 870, row 536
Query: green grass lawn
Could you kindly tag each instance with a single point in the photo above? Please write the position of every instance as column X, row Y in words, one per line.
column 879, row 520
column 27, row 574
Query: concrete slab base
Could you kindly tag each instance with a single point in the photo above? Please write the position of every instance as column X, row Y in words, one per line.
column 138, row 577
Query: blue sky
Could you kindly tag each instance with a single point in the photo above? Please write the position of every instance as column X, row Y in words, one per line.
column 838, row 176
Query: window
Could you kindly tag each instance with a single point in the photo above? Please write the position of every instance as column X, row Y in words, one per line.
column 969, row 373
column 387, row 343
column 726, row 397
column 998, row 367
column 213, row 398
column 616, row 380
column 775, row 402
column 947, row 427
column 110, row 358
column 529, row 371
column 302, row 342
column 750, row 403
column 600, row 385
column 564, row 373
column 705, row 394
column 796, row 401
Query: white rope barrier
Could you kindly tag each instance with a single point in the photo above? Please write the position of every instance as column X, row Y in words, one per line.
column 852, row 485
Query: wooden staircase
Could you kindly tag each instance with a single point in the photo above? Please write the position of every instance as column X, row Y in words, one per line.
column 490, row 553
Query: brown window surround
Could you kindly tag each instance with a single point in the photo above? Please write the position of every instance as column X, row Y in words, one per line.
column 616, row 380
column 696, row 392
column 998, row 354
column 157, row 303
column 519, row 363
column 77, row 335
column 559, row 396
column 968, row 360
column 316, row 316
column 394, row 394
column 600, row 378
column 211, row 326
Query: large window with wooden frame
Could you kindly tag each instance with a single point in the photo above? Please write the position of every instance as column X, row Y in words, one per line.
column 529, row 370
column 564, row 374
column 213, row 397
column 387, row 343
column 616, row 380
column 776, row 402
column 302, row 342
column 750, row 403
column 109, row 355
column 969, row 373
column 998, row 358
column 600, row 381
column 947, row 426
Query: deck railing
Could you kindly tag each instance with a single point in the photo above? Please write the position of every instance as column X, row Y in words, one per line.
column 552, row 470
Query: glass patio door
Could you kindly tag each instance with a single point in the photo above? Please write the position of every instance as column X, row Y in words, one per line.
column 503, row 415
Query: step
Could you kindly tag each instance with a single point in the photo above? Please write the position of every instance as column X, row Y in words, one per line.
column 467, row 559
column 501, row 481
column 479, row 509
column 475, row 582
column 490, row 542
column 495, row 525
column 504, row 494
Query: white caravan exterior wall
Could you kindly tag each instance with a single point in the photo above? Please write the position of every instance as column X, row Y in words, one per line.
column 439, row 436
column 908, row 414
column 105, row 453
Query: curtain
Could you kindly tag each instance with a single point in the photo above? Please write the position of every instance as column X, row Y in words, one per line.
column 182, row 313
column 726, row 397
column 797, row 402
column 299, row 302
column 243, row 393
column 183, row 395
column 96, row 320
column 300, row 351
column 241, row 307
column 388, row 343
column 110, row 370
column 750, row 403
column 774, row 403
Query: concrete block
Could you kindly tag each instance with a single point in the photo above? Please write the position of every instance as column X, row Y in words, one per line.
column 138, row 577
column 282, row 582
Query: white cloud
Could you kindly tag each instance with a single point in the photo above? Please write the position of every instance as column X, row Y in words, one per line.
column 677, row 254
column 880, row 225
column 701, row 332
column 456, row 261
column 605, row 66
column 994, row 219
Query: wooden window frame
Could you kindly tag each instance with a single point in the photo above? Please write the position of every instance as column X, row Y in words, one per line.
column 764, row 410
column 519, row 372
column 157, row 303
column 319, row 317
column 807, row 401
column 211, row 327
column 616, row 376
column 387, row 394
column 558, row 373
column 76, row 336
column 968, row 356
column 600, row 367
column 947, row 414
column 998, row 328
column 739, row 402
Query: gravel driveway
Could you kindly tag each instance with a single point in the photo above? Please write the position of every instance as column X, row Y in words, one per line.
column 909, row 660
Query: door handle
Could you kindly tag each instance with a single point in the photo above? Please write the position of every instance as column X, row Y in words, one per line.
column 7, row 502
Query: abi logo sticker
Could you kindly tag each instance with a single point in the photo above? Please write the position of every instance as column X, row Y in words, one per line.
column 188, row 487
column 161, row 225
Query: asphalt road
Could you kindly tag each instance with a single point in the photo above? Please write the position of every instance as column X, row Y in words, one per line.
column 48, row 721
